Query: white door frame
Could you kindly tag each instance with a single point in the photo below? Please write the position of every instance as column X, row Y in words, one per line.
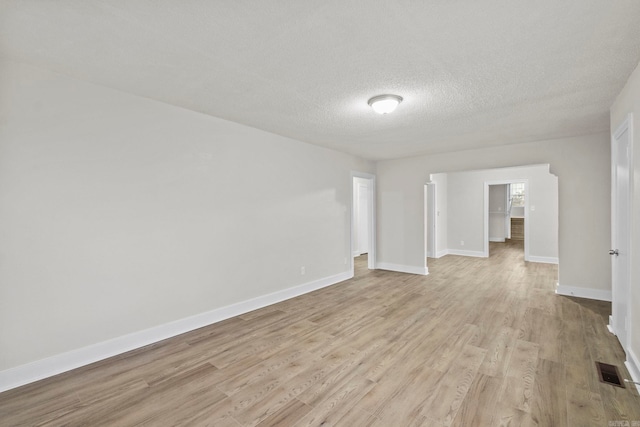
column 621, row 293
column 430, row 230
column 360, row 189
column 507, row 218
column 372, row 220
column 526, row 212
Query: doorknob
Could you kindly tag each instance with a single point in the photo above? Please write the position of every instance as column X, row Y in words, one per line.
column 613, row 252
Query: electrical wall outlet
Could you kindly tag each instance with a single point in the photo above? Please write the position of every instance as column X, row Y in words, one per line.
column 461, row 242
column 302, row 270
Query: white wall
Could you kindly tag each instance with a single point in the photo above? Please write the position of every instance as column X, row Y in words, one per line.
column 119, row 213
column 628, row 101
column 517, row 211
column 465, row 228
column 497, row 213
column 582, row 166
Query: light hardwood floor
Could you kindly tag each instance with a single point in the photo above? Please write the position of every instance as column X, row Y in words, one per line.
column 478, row 342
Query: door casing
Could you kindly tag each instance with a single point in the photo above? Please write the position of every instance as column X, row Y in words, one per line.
column 621, row 155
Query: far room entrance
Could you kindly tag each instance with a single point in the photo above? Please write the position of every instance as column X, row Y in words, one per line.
column 478, row 213
column 362, row 222
column 505, row 218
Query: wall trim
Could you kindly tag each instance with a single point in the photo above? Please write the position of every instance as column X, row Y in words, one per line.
column 580, row 292
column 609, row 326
column 633, row 366
column 461, row 252
column 63, row 362
column 442, row 253
column 543, row 259
column 497, row 239
column 423, row 271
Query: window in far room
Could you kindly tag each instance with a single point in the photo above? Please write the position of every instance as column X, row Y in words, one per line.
column 517, row 194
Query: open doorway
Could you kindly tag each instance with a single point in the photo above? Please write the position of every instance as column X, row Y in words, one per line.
column 506, row 225
column 362, row 222
column 622, row 178
column 431, row 225
column 457, row 214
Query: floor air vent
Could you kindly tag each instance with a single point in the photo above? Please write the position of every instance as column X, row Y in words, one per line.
column 609, row 374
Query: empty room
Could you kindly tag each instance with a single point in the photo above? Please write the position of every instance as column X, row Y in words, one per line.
column 286, row 213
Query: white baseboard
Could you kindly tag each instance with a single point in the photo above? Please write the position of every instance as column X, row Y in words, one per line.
column 497, row 239
column 478, row 254
column 633, row 366
column 423, row 271
column 442, row 253
column 590, row 293
column 609, row 327
column 34, row 371
column 543, row 259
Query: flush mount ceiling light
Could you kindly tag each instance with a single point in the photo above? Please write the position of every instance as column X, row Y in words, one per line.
column 384, row 104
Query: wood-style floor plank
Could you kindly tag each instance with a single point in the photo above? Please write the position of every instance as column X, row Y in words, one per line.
column 478, row 342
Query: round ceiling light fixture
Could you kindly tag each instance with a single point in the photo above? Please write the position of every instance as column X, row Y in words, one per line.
column 385, row 104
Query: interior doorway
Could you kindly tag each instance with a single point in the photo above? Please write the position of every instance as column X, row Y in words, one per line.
column 619, row 322
column 505, row 216
column 460, row 223
column 360, row 216
column 431, row 224
column 362, row 221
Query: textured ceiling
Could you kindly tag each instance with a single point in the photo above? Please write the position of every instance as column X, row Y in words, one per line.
column 472, row 73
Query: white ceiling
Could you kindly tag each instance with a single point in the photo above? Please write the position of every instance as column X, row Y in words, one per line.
column 473, row 73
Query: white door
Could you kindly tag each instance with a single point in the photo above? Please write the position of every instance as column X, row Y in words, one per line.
column 620, row 232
